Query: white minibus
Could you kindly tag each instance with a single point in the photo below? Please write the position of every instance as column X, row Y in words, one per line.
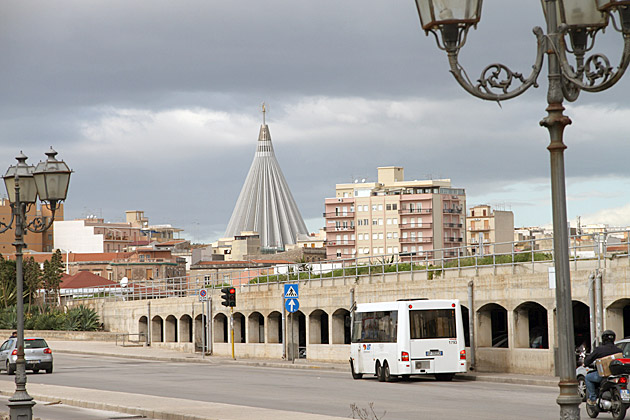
column 408, row 337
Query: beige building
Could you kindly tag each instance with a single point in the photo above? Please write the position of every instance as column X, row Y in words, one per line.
column 394, row 216
column 488, row 229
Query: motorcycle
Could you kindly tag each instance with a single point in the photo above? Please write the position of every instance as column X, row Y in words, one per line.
column 613, row 394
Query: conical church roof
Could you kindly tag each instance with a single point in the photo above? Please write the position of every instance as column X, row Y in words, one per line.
column 265, row 204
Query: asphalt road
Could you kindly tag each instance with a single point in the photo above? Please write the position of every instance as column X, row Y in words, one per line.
column 322, row 392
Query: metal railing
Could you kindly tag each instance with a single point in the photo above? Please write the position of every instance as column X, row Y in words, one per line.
column 598, row 247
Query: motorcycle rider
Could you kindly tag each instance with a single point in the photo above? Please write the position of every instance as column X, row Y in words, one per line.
column 593, row 378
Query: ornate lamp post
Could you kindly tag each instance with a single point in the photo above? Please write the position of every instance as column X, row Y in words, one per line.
column 24, row 183
column 571, row 29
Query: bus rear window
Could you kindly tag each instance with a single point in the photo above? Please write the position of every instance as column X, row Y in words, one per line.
column 375, row 327
column 432, row 323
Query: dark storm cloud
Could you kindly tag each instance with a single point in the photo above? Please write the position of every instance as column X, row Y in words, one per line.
column 155, row 103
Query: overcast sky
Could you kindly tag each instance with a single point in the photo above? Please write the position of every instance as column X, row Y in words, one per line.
column 155, row 105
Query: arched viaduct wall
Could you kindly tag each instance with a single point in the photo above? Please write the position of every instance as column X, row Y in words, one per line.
column 512, row 297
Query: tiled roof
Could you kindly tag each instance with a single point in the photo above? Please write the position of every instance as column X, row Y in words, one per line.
column 84, row 279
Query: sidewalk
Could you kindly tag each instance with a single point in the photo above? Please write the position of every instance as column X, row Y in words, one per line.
column 164, row 408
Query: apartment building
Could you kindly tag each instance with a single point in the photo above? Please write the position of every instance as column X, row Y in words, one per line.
column 94, row 235
column 394, row 216
column 488, row 229
column 38, row 242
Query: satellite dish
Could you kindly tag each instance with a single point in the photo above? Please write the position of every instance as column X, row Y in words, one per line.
column 124, row 281
column 363, row 180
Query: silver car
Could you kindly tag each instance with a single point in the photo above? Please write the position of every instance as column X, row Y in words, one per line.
column 36, row 352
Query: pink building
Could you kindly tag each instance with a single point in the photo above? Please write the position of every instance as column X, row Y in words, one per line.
column 394, row 216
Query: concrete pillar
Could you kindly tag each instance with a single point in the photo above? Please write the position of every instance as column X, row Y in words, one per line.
column 520, row 328
column 484, row 329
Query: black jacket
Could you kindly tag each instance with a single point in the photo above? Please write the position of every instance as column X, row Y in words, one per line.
column 601, row 351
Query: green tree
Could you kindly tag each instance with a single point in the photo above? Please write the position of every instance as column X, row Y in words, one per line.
column 51, row 277
column 7, row 282
column 32, row 280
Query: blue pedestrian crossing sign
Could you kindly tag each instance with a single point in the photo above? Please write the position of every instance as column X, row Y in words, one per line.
column 291, row 291
column 291, row 305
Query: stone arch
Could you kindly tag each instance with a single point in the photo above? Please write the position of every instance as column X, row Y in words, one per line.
column 582, row 324
column 157, row 326
column 318, row 327
column 256, row 324
column 185, row 329
column 341, row 326
column 530, row 326
column 239, row 327
column 143, row 328
column 274, row 327
column 170, row 329
column 492, row 326
column 618, row 317
column 220, row 328
column 296, row 331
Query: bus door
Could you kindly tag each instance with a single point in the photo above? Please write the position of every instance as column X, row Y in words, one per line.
column 434, row 340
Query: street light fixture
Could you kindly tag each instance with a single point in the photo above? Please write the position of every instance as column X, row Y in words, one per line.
column 24, row 184
column 579, row 21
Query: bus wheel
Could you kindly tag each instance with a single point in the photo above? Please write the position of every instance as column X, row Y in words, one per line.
column 354, row 374
column 387, row 376
column 379, row 372
column 444, row 376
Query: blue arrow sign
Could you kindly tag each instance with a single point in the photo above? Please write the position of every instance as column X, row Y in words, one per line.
column 291, row 291
column 291, row 305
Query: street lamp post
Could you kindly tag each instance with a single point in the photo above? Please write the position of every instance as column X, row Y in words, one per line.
column 24, row 183
column 579, row 21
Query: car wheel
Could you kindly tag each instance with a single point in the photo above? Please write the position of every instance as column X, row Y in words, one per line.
column 387, row 376
column 379, row 372
column 582, row 388
column 49, row 370
column 354, row 374
column 10, row 369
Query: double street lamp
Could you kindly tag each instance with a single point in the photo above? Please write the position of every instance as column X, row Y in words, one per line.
column 49, row 180
column 571, row 29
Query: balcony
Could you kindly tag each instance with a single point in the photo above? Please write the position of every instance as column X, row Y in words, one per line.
column 414, row 211
column 340, row 214
column 339, row 228
column 423, row 240
column 340, row 242
column 452, row 225
column 478, row 229
column 453, row 211
column 450, row 239
column 428, row 225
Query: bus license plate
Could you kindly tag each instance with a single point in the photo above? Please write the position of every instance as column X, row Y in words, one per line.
column 435, row 353
column 625, row 394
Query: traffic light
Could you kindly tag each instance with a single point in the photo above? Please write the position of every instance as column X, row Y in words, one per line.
column 228, row 296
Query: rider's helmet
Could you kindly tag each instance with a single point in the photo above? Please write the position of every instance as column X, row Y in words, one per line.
column 608, row 336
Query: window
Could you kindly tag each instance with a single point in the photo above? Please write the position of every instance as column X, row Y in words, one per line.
column 380, row 222
column 380, row 235
column 360, row 222
column 339, row 253
column 395, row 206
column 395, row 250
column 375, row 327
column 374, row 221
column 395, row 235
column 375, row 236
column 366, row 251
column 365, row 222
column 405, row 249
column 206, row 278
column 374, row 251
column 381, row 250
column 388, row 207
column 389, row 221
column 360, row 236
column 389, row 235
column 432, row 323
column 374, row 207
column 390, row 249
column 380, row 207
column 395, row 221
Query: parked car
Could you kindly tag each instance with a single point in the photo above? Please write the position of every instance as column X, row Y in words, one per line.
column 36, row 352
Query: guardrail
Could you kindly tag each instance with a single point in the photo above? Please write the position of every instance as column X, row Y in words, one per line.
column 599, row 247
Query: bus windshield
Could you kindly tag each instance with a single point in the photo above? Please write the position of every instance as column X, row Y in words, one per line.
column 432, row 323
column 375, row 327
